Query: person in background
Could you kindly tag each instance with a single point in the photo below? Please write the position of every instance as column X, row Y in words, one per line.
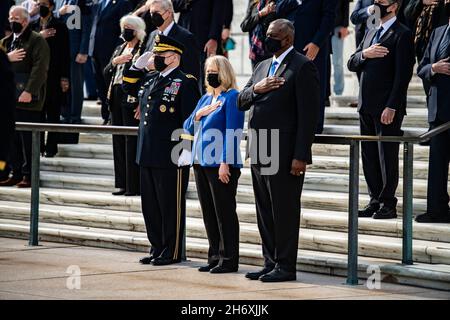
column 57, row 36
column 104, row 38
column 424, row 16
column 217, row 179
column 33, row 9
column 163, row 17
column 435, row 68
column 284, row 96
column 385, row 59
column 142, row 10
column 78, row 54
column 8, row 99
column 260, row 13
column 226, row 31
column 337, row 42
column 123, row 106
column 29, row 55
column 205, row 19
column 314, row 22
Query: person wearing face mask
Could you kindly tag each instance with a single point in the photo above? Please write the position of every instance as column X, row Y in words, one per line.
column 385, row 59
column 167, row 97
column 283, row 95
column 29, row 55
column 435, row 68
column 123, row 106
column 217, row 177
column 162, row 16
column 57, row 36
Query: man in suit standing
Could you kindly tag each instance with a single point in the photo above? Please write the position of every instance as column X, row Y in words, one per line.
column 104, row 39
column 362, row 11
column 435, row 69
column 78, row 46
column 166, row 99
column 385, row 59
column 284, row 96
column 29, row 55
column 314, row 23
column 162, row 15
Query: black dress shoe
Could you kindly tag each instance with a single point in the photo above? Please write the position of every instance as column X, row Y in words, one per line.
column 130, row 194
column 50, row 154
column 105, row 122
column 146, row 260
column 368, row 211
column 278, row 275
column 160, row 261
column 258, row 274
column 431, row 218
column 221, row 269
column 208, row 267
column 121, row 192
column 386, row 213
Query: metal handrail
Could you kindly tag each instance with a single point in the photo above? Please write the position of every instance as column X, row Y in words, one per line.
column 354, row 141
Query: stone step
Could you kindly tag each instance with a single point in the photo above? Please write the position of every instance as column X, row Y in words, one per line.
column 316, row 181
column 105, row 151
column 416, row 118
column 316, row 200
column 133, row 221
column 325, row 164
column 414, row 101
column 342, row 129
column 422, row 274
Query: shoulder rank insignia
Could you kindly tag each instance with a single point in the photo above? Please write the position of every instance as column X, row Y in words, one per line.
column 190, row 76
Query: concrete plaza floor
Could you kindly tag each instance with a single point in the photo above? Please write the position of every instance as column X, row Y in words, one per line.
column 51, row 271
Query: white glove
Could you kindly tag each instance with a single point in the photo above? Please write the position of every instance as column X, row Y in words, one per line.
column 142, row 61
column 185, row 158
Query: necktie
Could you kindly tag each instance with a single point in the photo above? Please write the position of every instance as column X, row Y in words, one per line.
column 377, row 37
column 273, row 68
column 444, row 47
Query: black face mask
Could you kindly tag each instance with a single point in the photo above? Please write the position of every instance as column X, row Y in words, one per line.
column 157, row 19
column 272, row 45
column 128, row 35
column 383, row 9
column 213, row 80
column 16, row 27
column 44, row 11
column 160, row 63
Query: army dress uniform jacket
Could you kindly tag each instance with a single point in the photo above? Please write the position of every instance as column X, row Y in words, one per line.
column 164, row 104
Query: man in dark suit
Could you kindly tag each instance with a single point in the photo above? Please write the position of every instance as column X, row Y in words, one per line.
column 385, row 59
column 205, row 19
column 167, row 98
column 57, row 36
column 362, row 11
column 104, row 39
column 283, row 95
column 314, row 23
column 79, row 47
column 162, row 15
column 435, row 68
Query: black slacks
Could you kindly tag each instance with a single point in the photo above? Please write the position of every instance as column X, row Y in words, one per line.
column 51, row 114
column 163, row 196
column 21, row 153
column 124, row 147
column 380, row 159
column 100, row 64
column 218, row 203
column 437, row 193
column 278, row 212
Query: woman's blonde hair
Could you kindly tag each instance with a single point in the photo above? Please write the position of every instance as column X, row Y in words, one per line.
column 137, row 23
column 227, row 76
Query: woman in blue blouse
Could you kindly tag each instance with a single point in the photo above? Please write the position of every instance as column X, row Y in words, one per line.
column 217, row 124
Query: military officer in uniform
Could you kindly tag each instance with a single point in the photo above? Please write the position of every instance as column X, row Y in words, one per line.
column 167, row 97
